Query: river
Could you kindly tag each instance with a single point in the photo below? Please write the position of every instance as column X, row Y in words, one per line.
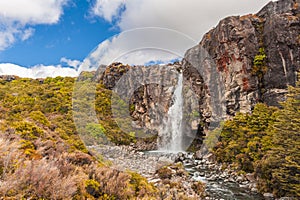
column 216, row 188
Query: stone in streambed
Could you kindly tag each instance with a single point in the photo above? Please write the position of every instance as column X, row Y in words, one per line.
column 163, row 161
column 268, row 196
column 254, row 190
column 239, row 179
column 250, row 177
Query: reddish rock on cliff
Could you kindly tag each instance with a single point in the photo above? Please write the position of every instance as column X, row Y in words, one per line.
column 245, row 60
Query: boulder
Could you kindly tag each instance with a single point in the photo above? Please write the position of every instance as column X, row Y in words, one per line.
column 163, row 161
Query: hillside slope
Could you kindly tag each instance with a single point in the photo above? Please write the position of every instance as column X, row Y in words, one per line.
column 41, row 153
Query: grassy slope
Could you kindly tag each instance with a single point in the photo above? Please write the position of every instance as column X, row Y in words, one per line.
column 41, row 154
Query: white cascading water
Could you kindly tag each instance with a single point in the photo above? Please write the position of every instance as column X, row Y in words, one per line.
column 171, row 132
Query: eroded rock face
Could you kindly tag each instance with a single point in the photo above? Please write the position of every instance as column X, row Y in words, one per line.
column 281, row 38
column 112, row 74
column 232, row 47
column 8, row 78
column 148, row 90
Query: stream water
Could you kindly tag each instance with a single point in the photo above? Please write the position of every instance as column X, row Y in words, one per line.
column 216, row 189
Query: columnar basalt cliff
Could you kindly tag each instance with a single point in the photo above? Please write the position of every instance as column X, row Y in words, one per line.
column 256, row 57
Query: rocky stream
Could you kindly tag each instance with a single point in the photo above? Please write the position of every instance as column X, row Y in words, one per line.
column 221, row 184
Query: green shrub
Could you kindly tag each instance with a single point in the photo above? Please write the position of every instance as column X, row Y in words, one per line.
column 28, row 130
column 141, row 186
column 93, row 188
column 97, row 131
column 39, row 117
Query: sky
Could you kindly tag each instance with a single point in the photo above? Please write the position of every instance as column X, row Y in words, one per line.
column 40, row 38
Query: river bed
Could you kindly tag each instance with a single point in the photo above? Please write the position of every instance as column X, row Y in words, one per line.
column 216, row 188
column 146, row 163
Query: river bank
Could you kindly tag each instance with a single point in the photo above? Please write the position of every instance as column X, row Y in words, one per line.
column 173, row 181
column 221, row 184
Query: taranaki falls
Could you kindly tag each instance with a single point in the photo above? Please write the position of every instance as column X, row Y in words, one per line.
column 222, row 123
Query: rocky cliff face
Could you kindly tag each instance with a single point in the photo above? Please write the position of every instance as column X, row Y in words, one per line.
column 254, row 59
column 243, row 61
column 147, row 91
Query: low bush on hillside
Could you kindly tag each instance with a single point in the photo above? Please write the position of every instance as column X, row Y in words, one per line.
column 42, row 155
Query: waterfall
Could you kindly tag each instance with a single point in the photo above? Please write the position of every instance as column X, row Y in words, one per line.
column 171, row 138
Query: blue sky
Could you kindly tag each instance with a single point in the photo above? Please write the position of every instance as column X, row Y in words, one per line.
column 73, row 37
column 49, row 35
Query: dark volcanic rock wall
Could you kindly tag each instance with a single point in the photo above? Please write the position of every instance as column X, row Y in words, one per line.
column 148, row 90
column 233, row 46
column 281, row 37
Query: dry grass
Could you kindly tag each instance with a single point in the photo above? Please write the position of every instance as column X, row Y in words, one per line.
column 39, row 179
column 58, row 174
column 9, row 156
column 54, row 178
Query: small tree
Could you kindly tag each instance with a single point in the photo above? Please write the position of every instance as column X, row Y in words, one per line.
column 282, row 163
column 259, row 69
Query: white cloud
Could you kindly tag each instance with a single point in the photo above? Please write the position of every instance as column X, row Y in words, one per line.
column 27, row 33
column 71, row 63
column 38, row 71
column 187, row 17
column 7, row 37
column 107, row 8
column 192, row 17
column 16, row 17
column 32, row 11
column 67, row 67
column 139, row 46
